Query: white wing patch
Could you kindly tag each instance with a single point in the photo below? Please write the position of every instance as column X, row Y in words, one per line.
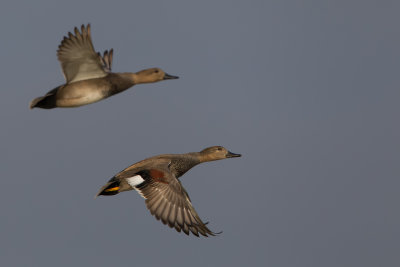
column 135, row 180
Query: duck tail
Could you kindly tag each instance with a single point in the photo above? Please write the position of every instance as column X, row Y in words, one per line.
column 47, row 102
column 36, row 102
column 110, row 189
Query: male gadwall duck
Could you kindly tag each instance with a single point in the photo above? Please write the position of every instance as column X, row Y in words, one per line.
column 156, row 180
column 88, row 74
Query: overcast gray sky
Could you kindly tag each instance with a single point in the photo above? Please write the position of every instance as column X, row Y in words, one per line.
column 307, row 91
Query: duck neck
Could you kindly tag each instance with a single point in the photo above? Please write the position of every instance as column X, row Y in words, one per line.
column 128, row 77
column 181, row 164
column 121, row 81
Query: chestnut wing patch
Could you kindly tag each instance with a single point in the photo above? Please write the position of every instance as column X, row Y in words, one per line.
column 158, row 176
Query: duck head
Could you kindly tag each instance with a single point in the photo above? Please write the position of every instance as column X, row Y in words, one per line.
column 216, row 153
column 152, row 75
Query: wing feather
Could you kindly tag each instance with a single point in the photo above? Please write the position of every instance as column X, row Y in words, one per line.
column 165, row 197
column 174, row 207
column 79, row 61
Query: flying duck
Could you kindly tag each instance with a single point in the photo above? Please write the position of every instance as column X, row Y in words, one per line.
column 88, row 74
column 156, row 180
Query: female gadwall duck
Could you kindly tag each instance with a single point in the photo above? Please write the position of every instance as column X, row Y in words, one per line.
column 88, row 74
column 156, row 180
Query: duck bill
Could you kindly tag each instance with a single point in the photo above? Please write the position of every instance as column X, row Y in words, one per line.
column 170, row 77
column 232, row 155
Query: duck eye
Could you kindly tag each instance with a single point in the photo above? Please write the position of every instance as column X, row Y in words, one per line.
column 219, row 149
column 156, row 71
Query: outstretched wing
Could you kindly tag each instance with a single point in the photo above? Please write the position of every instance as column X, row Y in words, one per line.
column 79, row 60
column 168, row 201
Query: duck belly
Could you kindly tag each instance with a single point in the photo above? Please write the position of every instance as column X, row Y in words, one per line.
column 80, row 93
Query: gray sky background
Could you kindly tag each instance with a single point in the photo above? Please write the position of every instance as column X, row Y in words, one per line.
column 307, row 91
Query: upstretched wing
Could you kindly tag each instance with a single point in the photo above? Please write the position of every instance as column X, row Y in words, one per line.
column 79, row 60
column 106, row 59
column 169, row 202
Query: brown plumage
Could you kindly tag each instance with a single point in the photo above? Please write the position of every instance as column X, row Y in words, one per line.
column 156, row 180
column 88, row 74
